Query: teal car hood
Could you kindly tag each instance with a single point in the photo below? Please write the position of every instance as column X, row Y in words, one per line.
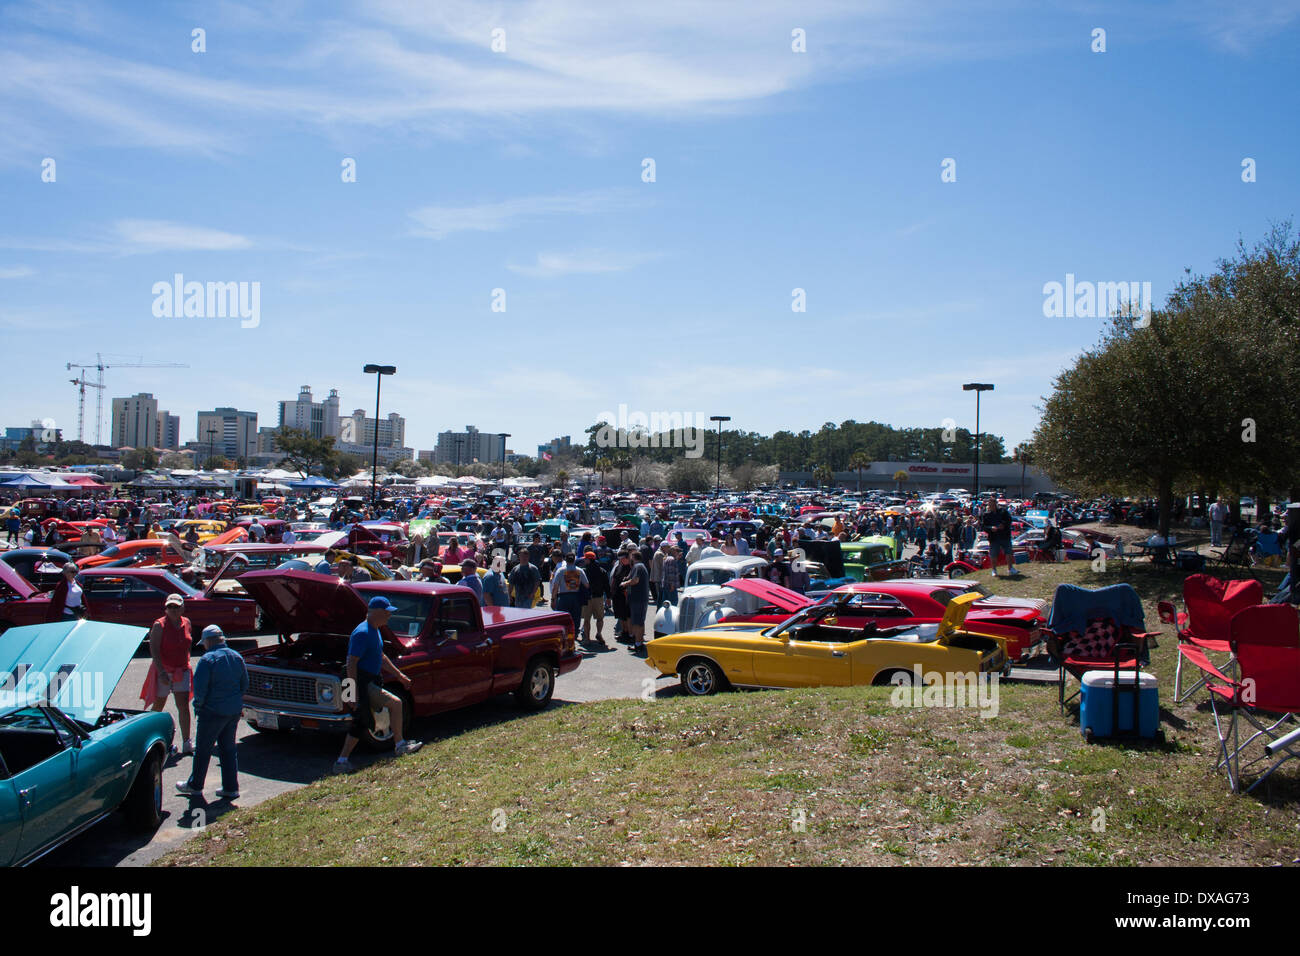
column 74, row 665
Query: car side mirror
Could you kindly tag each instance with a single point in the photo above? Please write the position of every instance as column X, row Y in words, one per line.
column 448, row 637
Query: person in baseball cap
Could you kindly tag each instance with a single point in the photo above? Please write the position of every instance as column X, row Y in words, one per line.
column 469, row 578
column 220, row 682
column 367, row 664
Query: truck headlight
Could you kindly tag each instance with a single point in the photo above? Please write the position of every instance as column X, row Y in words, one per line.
column 325, row 692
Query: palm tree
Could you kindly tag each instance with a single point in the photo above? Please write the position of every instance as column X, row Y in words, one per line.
column 622, row 463
column 900, row 476
column 603, row 465
column 1024, row 454
column 823, row 475
column 561, row 478
column 860, row 462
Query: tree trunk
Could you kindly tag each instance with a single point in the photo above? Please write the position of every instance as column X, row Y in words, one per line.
column 1166, row 505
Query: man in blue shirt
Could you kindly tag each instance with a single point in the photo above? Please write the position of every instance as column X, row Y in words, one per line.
column 220, row 680
column 469, row 578
column 363, row 691
column 495, row 593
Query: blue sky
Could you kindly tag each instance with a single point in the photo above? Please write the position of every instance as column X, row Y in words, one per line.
column 522, row 170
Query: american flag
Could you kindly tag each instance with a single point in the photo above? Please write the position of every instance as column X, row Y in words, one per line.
column 546, row 456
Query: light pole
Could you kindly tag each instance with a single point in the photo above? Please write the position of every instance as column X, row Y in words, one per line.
column 977, row 387
column 459, row 442
column 503, row 436
column 717, row 489
column 212, row 445
column 379, row 371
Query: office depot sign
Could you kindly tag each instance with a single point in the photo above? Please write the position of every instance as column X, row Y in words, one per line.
column 940, row 469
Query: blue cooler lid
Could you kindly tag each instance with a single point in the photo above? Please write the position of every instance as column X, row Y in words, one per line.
column 1107, row 679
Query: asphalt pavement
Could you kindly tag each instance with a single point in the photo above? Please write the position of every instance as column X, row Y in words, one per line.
column 271, row 764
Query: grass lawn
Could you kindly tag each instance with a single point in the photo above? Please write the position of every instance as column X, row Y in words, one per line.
column 808, row 777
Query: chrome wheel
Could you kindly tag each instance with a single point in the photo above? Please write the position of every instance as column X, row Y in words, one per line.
column 540, row 685
column 700, row 679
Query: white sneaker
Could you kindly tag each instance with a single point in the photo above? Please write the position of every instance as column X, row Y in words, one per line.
column 342, row 765
column 187, row 747
column 407, row 747
column 183, row 787
column 228, row 794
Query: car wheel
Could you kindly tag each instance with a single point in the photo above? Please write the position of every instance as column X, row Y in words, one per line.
column 143, row 803
column 955, row 573
column 701, row 678
column 538, row 685
column 894, row 678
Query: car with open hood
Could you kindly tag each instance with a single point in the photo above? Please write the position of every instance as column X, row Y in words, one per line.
column 455, row 652
column 900, row 602
column 703, row 588
column 67, row 759
column 812, row 648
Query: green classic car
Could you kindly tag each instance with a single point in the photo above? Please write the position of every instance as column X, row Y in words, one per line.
column 67, row 760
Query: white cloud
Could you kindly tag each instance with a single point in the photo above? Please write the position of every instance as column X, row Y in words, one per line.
column 550, row 265
column 438, row 222
column 16, row 272
column 142, row 235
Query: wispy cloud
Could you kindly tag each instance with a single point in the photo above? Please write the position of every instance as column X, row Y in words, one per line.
column 439, row 222
column 16, row 272
column 550, row 265
column 147, row 235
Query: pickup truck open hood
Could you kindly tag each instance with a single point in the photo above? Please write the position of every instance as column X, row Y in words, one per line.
column 70, row 656
column 770, row 593
column 303, row 601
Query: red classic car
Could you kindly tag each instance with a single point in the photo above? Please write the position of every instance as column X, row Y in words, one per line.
column 905, row 602
column 455, row 652
column 130, row 596
column 139, row 552
column 136, row 596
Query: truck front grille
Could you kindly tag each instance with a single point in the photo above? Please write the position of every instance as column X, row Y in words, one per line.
column 290, row 688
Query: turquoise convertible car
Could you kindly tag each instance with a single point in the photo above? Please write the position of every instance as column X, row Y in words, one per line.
column 67, row 760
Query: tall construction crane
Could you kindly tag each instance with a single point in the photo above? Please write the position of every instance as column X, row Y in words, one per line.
column 99, row 367
column 81, row 404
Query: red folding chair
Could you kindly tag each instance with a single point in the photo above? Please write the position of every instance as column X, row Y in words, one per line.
column 1265, row 694
column 1205, row 625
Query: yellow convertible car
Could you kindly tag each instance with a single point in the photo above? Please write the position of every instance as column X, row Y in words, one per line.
column 809, row 650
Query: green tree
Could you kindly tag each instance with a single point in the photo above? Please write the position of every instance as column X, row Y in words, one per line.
column 305, row 453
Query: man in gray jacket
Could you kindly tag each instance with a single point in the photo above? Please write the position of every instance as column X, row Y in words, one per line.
column 220, row 681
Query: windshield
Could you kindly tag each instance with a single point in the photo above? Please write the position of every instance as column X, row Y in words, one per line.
column 711, row 576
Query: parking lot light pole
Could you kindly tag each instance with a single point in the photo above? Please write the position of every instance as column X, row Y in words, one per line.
column 379, row 372
column 717, row 488
column 503, row 436
column 459, row 442
column 976, row 387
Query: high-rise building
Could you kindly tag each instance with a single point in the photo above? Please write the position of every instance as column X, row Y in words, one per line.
column 555, row 446
column 318, row 419
column 484, row 447
column 135, row 421
column 229, row 432
column 168, row 431
column 357, row 429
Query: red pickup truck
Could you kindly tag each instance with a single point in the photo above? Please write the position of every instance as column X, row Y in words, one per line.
column 455, row 652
